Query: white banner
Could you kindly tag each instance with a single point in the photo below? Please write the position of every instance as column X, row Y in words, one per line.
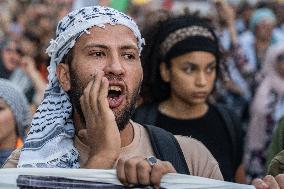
column 8, row 178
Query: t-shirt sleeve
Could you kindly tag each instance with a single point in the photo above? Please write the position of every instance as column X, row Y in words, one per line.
column 13, row 159
column 199, row 160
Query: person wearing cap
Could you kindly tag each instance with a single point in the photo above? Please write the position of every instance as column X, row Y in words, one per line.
column 15, row 118
column 95, row 75
column 181, row 62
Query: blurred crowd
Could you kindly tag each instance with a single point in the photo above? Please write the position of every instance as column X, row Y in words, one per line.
column 251, row 35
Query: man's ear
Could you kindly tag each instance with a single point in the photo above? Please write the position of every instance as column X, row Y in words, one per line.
column 63, row 75
column 164, row 72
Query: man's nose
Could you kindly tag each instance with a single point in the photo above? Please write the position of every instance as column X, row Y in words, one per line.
column 114, row 66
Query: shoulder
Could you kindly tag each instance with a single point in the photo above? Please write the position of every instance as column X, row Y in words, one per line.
column 194, row 148
column 198, row 158
column 13, row 159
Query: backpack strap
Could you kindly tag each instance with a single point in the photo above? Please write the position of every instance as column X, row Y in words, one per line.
column 146, row 114
column 167, row 148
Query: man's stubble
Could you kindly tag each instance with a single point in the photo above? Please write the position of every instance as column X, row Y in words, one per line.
column 122, row 116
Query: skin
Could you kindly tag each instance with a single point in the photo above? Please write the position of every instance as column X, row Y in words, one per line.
column 191, row 77
column 269, row 182
column 263, row 30
column 99, row 57
column 8, row 134
column 11, row 58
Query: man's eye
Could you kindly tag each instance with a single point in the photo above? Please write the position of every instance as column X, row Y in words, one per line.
column 128, row 56
column 97, row 53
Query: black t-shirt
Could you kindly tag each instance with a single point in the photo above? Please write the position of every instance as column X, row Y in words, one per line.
column 211, row 131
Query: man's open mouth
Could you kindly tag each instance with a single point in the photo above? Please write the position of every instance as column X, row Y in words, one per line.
column 115, row 95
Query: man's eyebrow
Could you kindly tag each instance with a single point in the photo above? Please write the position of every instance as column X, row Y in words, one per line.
column 90, row 45
column 125, row 47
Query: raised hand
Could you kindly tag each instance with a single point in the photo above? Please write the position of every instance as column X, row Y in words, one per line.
column 101, row 129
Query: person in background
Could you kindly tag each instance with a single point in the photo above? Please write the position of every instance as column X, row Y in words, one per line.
column 244, row 12
column 266, row 110
column 21, row 71
column 256, row 41
column 233, row 90
column 181, row 62
column 15, row 118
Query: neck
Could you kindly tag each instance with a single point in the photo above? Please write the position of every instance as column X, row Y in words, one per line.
column 126, row 135
column 181, row 110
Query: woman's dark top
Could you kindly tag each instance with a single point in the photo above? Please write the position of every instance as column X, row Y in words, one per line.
column 210, row 129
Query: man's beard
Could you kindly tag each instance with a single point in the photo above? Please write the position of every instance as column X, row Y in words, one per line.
column 122, row 117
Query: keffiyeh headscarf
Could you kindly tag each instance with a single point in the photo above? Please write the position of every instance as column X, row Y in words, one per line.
column 18, row 104
column 50, row 140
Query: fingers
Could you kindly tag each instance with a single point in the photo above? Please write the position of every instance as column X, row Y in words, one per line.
column 94, row 90
column 268, row 182
column 159, row 170
column 103, row 104
column 259, row 184
column 280, row 180
column 138, row 171
column 133, row 171
column 144, row 172
column 126, row 171
column 85, row 101
column 120, row 171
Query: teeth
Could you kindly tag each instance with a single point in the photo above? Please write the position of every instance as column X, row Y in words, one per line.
column 114, row 88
